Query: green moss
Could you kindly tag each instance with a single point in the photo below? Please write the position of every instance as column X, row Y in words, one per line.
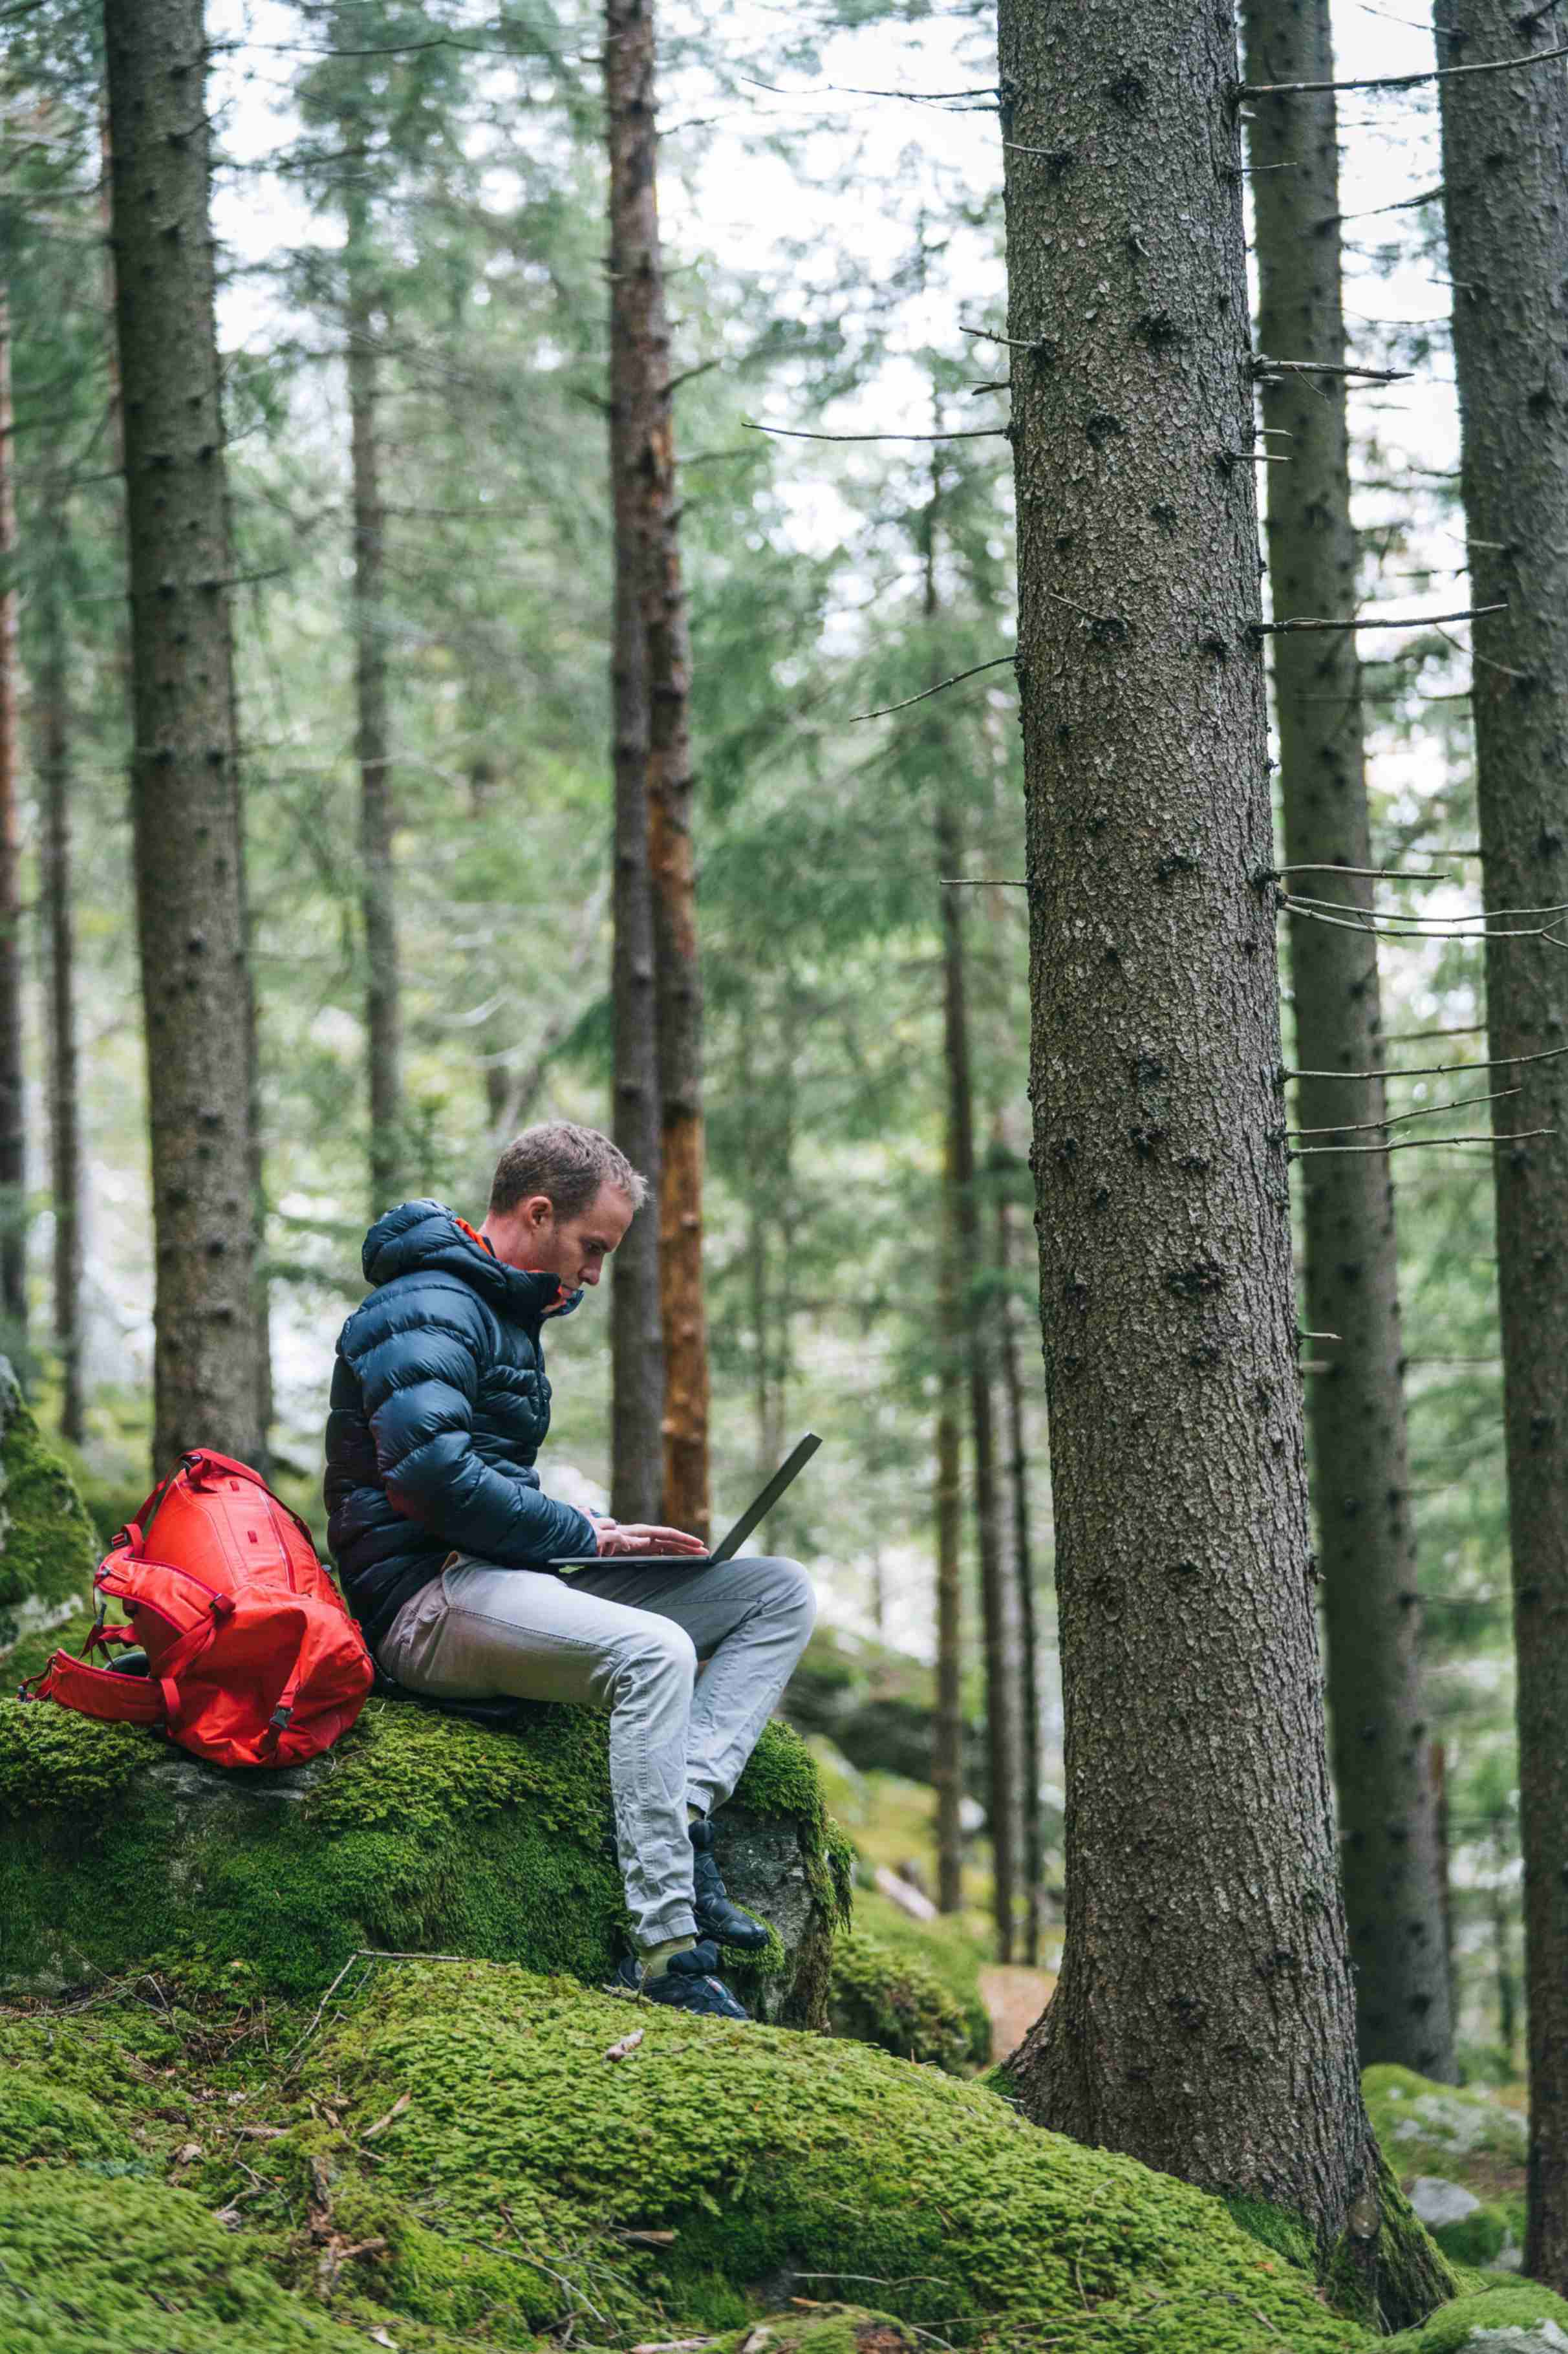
column 1477, row 2239
column 89, row 2266
column 418, row 1831
column 1508, row 2305
column 1460, row 2132
column 42, row 2118
column 895, row 2000
column 946, row 1947
column 835, row 2330
column 50, row 1548
column 769, row 2155
column 1275, row 2228
column 64, row 1764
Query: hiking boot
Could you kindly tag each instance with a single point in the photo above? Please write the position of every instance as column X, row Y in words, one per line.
column 718, row 1918
column 687, row 1983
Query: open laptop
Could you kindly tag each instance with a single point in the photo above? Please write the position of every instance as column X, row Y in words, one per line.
column 729, row 1545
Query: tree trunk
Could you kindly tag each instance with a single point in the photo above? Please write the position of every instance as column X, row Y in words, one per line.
column 637, row 1344
column 1503, row 140
column 496, row 1076
column 947, row 1748
column 13, row 1099
column 1366, row 1537
column 1204, row 2022
column 999, row 1710
column 52, row 706
column 377, row 817
column 184, row 804
column 1034, row 1845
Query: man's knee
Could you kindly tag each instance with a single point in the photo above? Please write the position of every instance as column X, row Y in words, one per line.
column 657, row 1654
column 790, row 1592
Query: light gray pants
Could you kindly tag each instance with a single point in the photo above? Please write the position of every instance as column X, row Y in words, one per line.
column 627, row 1639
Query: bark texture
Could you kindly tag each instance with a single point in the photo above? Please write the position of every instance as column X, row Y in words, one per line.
column 1204, row 2021
column 637, row 1342
column 184, row 798
column 51, row 707
column 1505, row 139
column 377, row 815
column 1366, row 1536
column 12, row 1120
column 1000, row 1710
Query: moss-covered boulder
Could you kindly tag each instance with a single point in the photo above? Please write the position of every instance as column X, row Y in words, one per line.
column 898, row 2001
column 1512, row 2317
column 48, row 1547
column 1458, row 2153
column 418, row 1831
column 715, row 2171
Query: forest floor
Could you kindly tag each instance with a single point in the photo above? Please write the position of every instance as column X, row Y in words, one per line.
column 1015, row 1995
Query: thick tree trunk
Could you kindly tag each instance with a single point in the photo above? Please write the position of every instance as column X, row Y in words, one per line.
column 637, row 1343
column 52, row 706
column 1504, row 136
column 190, row 912
column 948, row 1728
column 13, row 1099
column 377, row 815
column 1033, row 1841
column 999, row 1710
column 1366, row 1538
column 1204, row 2022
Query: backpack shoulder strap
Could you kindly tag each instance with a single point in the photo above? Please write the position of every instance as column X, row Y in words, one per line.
column 99, row 1691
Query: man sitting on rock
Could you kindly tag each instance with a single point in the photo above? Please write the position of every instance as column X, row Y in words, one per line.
column 442, row 1536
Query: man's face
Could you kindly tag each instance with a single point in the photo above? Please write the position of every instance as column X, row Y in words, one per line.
column 575, row 1248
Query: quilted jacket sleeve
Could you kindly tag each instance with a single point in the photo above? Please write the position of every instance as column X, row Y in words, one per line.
column 420, row 1378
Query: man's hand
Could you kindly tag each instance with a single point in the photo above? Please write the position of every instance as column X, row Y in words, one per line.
column 642, row 1536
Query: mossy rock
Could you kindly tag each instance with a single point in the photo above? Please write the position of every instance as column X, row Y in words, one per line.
column 947, row 1948
column 48, row 1546
column 718, row 2171
column 420, row 1831
column 1464, row 2136
column 90, row 2266
column 894, row 2000
column 1513, row 2318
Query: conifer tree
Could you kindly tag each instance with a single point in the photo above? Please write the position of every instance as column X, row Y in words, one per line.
column 1365, row 1531
column 13, row 1120
column 1204, row 2021
column 1504, row 137
column 184, row 803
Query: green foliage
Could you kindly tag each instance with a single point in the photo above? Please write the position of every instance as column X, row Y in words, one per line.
column 757, row 2149
column 50, row 1548
column 897, row 2002
column 419, row 1831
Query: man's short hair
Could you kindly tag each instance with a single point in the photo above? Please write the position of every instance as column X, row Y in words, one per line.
column 565, row 1162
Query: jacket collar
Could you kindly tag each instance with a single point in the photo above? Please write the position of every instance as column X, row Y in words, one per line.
column 420, row 1235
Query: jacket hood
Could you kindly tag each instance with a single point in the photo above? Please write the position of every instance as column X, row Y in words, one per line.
column 420, row 1237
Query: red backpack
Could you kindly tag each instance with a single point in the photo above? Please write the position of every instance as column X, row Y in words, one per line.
column 252, row 1659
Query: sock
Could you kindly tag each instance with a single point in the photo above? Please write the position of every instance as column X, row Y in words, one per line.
column 695, row 1814
column 655, row 1959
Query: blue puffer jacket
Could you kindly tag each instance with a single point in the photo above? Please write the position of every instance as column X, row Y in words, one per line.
column 438, row 1407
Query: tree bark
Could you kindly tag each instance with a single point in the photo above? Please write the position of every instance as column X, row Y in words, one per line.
column 184, row 810
column 377, row 814
column 13, row 1098
column 999, row 1710
column 1507, row 253
column 1033, row 1841
column 497, row 1078
column 1366, row 1536
column 637, row 1343
column 51, row 706
column 1204, row 2021
column 948, row 1746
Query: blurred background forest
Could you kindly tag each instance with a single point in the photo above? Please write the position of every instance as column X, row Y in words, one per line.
column 827, row 244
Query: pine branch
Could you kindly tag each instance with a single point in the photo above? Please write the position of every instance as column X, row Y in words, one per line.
column 1394, row 1119
column 1332, row 866
column 963, row 433
column 1422, row 1143
column 1245, row 90
column 940, row 688
column 1436, row 1070
column 1263, row 365
column 1361, row 621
